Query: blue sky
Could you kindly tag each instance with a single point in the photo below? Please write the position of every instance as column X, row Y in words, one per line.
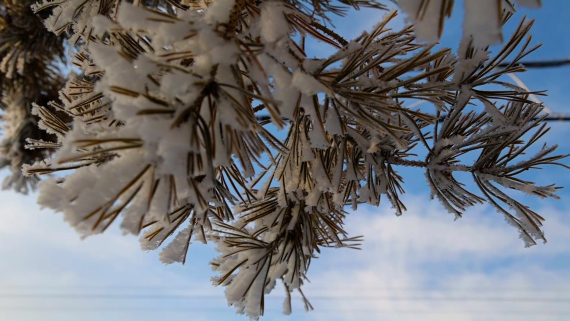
column 423, row 265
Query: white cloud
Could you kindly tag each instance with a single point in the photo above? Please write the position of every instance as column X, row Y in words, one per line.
column 41, row 255
column 423, row 253
column 426, row 254
column 23, row 224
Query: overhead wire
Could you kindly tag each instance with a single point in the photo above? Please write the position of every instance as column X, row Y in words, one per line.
column 76, row 296
column 541, row 63
column 552, row 117
column 355, row 288
column 320, row 311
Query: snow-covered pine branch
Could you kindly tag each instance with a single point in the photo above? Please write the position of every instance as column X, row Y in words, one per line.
column 165, row 134
column 28, row 74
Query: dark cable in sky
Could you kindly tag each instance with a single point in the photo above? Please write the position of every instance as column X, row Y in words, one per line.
column 551, row 118
column 541, row 64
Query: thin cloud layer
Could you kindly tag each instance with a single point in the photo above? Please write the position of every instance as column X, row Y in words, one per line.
column 422, row 254
column 425, row 264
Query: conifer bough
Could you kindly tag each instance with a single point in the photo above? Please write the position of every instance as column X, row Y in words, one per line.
column 28, row 74
column 165, row 137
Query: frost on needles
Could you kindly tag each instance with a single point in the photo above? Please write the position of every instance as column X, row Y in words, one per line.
column 29, row 73
column 173, row 109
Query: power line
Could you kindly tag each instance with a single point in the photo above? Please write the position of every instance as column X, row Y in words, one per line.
column 557, row 118
column 320, row 311
column 193, row 286
column 356, row 288
column 201, row 297
column 550, row 118
column 526, row 64
column 541, row 64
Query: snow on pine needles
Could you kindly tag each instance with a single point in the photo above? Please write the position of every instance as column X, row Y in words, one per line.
column 170, row 134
